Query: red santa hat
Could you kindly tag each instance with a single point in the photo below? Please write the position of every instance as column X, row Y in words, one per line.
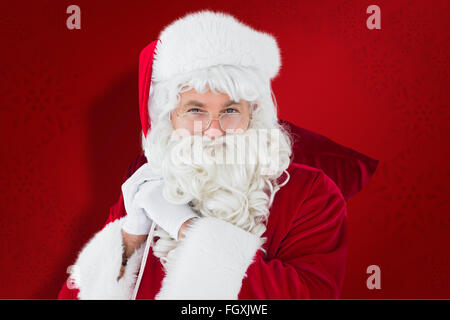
column 200, row 40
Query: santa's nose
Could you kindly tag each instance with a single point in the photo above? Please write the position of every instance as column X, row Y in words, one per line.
column 214, row 130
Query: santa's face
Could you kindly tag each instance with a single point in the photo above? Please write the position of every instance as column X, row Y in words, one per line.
column 228, row 163
column 211, row 114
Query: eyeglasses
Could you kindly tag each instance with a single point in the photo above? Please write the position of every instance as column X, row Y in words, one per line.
column 197, row 122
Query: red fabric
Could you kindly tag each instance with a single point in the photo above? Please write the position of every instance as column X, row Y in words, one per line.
column 306, row 243
column 145, row 78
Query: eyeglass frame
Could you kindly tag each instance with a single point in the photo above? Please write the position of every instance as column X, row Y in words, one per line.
column 217, row 118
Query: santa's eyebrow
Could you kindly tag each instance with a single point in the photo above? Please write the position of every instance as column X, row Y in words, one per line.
column 194, row 103
column 199, row 104
column 229, row 103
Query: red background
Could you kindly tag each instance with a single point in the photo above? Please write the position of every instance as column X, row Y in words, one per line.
column 69, row 126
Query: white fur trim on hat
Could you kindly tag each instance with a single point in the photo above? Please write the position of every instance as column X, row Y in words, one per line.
column 206, row 38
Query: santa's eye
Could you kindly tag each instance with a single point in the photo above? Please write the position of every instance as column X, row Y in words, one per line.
column 194, row 110
column 231, row 110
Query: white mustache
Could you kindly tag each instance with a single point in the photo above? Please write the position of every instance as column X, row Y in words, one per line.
column 254, row 147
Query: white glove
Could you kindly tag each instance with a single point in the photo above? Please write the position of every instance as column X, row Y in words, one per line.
column 168, row 216
column 136, row 220
column 144, row 202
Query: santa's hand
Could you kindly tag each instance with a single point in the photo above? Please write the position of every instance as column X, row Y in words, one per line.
column 168, row 216
column 136, row 221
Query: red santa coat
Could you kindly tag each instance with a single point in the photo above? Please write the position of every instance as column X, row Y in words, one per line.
column 305, row 252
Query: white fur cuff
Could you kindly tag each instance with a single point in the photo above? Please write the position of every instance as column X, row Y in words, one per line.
column 210, row 262
column 98, row 265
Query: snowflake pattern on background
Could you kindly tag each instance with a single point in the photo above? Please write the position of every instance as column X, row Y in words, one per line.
column 379, row 66
column 412, row 30
column 39, row 88
column 349, row 22
column 440, row 69
column 13, row 29
column 406, row 194
column 21, row 184
column 437, row 277
column 421, row 110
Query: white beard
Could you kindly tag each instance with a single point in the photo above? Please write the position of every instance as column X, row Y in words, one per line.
column 238, row 189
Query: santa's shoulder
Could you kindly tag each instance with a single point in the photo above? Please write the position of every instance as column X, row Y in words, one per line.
column 303, row 179
column 309, row 194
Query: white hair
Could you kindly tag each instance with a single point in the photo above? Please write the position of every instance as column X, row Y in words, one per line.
column 238, row 193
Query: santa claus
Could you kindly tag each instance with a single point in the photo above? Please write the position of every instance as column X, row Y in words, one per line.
column 215, row 209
